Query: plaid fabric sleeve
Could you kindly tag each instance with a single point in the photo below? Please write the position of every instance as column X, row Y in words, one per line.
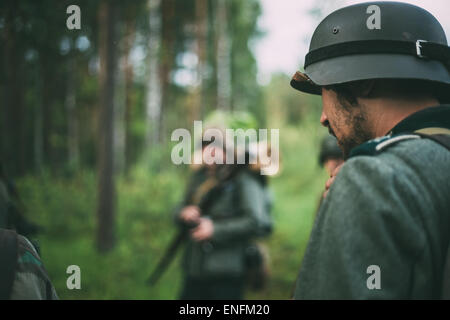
column 31, row 281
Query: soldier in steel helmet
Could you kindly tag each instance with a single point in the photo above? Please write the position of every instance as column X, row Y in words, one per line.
column 383, row 71
column 227, row 207
column 330, row 157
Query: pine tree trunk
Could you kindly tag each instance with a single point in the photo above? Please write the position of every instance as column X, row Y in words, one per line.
column 167, row 57
column 12, row 133
column 130, row 33
column 38, row 127
column 153, row 108
column 72, row 118
column 201, row 7
column 106, row 185
column 119, row 117
column 223, row 57
column 47, row 114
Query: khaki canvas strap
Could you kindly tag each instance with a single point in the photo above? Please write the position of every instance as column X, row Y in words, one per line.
column 203, row 189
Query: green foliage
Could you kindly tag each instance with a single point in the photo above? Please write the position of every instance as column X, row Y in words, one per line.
column 231, row 120
column 286, row 105
column 66, row 209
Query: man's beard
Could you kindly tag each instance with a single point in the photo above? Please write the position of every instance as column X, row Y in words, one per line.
column 354, row 118
column 358, row 136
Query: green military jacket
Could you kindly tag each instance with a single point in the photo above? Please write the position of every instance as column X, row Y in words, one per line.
column 383, row 230
column 240, row 212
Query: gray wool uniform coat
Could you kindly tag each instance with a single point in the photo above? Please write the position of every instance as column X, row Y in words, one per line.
column 383, row 230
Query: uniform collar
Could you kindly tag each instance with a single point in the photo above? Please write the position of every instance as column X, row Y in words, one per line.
column 434, row 117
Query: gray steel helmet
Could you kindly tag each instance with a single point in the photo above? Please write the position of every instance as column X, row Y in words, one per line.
column 407, row 43
column 329, row 149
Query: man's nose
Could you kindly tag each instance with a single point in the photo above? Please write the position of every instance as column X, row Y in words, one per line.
column 324, row 119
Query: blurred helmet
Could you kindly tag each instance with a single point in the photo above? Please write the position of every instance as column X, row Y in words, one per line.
column 223, row 120
column 329, row 149
column 376, row 40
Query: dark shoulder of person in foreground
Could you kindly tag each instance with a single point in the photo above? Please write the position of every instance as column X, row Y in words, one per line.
column 22, row 272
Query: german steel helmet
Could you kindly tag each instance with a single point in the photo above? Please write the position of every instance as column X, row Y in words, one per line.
column 376, row 40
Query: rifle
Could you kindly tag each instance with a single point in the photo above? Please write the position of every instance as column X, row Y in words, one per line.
column 170, row 252
column 203, row 200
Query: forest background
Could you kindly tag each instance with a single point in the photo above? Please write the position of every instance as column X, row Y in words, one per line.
column 86, row 119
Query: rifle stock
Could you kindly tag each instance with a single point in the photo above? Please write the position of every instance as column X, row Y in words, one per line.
column 170, row 252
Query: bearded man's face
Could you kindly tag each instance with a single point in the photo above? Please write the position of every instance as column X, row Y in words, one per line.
column 344, row 120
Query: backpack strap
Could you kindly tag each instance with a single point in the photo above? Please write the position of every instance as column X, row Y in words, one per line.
column 8, row 254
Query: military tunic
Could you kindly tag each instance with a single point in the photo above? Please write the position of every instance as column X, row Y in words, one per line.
column 389, row 207
column 240, row 212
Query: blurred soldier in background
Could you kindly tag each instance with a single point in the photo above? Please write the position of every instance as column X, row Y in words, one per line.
column 229, row 206
column 382, row 232
column 330, row 156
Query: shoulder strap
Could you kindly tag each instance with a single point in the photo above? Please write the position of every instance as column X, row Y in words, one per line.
column 8, row 254
column 442, row 139
column 375, row 146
